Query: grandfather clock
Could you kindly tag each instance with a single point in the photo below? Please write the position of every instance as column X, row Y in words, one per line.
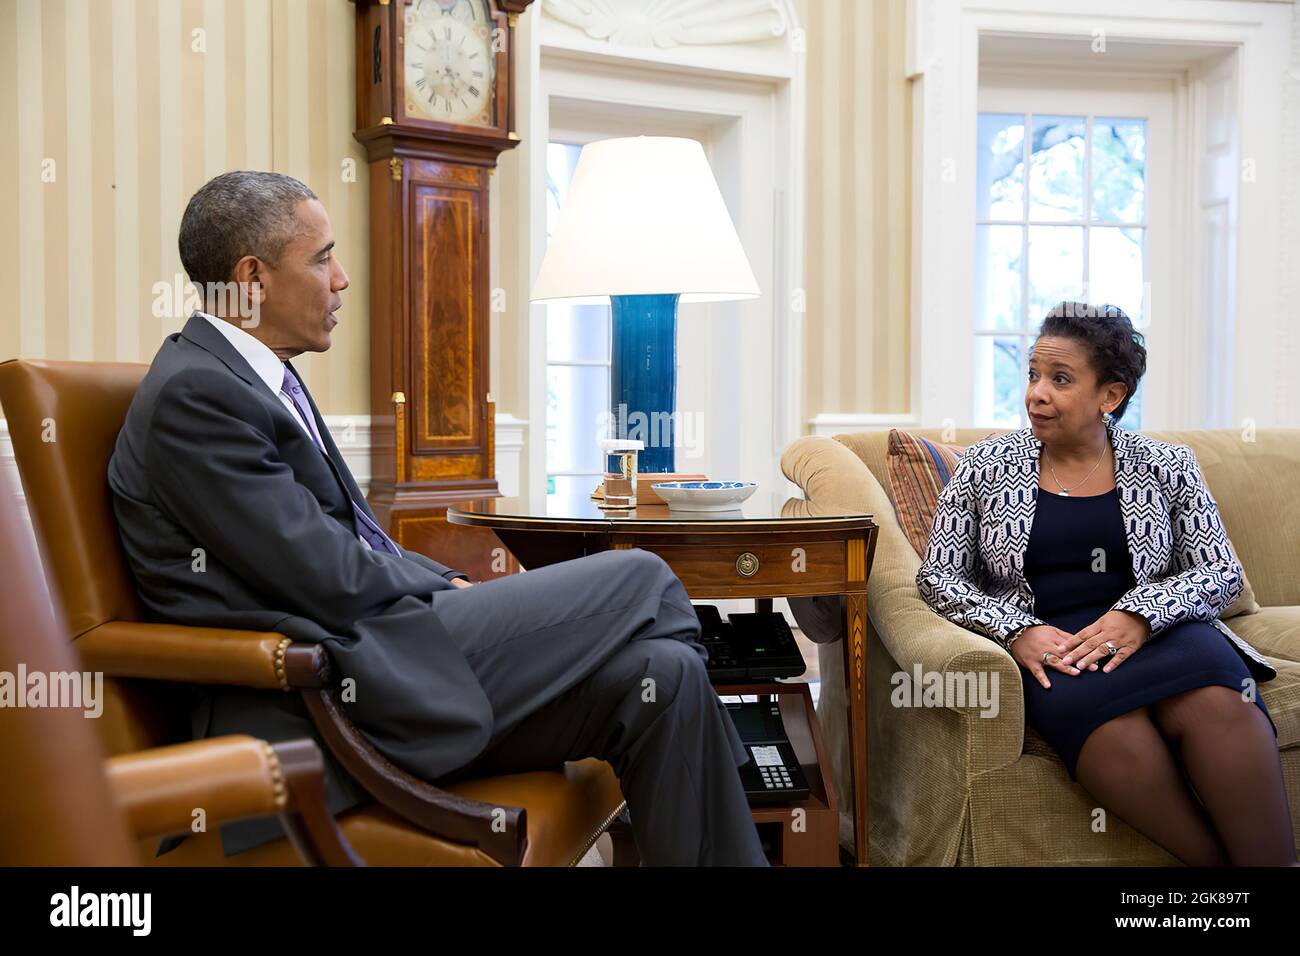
column 435, row 108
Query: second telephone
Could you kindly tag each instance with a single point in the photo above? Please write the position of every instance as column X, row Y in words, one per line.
column 758, row 646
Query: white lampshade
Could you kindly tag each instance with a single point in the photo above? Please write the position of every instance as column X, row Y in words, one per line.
column 643, row 216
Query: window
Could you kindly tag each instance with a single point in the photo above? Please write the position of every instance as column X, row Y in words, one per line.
column 1061, row 214
column 577, row 360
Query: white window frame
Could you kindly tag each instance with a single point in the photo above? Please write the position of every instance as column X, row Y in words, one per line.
column 579, row 138
column 1156, row 100
column 944, row 60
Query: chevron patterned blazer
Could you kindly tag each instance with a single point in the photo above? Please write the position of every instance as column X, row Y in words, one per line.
column 1184, row 566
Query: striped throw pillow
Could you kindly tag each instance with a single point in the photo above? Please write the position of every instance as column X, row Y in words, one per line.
column 918, row 470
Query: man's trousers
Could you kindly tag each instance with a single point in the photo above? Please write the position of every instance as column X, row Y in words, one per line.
column 600, row 657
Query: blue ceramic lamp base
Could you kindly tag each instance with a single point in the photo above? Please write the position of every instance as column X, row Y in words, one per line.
column 643, row 376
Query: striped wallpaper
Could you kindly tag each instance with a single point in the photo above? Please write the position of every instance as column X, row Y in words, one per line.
column 857, row 327
column 128, row 106
column 115, row 111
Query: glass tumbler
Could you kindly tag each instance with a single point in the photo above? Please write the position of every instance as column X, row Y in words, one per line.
column 620, row 455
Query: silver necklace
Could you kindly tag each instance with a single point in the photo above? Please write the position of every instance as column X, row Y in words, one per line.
column 1065, row 492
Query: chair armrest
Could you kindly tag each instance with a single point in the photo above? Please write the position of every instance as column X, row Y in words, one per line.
column 270, row 661
column 231, row 778
column 189, row 655
column 499, row 831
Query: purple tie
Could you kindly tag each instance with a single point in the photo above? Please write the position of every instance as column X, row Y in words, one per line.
column 373, row 534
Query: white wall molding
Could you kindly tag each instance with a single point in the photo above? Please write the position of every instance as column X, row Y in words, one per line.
column 830, row 424
column 352, row 435
column 511, row 437
column 1287, row 290
column 685, row 23
column 714, row 40
column 9, row 466
column 9, row 471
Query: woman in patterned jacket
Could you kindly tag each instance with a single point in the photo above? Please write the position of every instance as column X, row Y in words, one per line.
column 1097, row 558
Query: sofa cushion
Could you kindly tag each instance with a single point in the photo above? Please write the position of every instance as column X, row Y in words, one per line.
column 1248, row 473
column 918, row 470
column 1273, row 631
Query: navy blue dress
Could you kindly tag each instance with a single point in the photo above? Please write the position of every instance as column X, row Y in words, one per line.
column 1077, row 564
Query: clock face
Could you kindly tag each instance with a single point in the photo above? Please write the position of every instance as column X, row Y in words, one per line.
column 450, row 62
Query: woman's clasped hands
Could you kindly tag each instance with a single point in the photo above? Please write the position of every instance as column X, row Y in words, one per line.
column 1113, row 638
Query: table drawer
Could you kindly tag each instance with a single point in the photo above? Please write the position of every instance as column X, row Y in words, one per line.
column 788, row 568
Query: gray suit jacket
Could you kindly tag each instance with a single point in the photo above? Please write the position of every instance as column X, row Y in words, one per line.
column 209, row 459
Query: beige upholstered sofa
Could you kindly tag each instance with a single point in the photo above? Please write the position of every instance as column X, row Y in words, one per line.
column 949, row 786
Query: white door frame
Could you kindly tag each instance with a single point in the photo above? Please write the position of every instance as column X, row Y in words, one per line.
column 944, row 59
column 752, row 109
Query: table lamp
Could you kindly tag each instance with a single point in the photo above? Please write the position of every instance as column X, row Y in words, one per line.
column 644, row 227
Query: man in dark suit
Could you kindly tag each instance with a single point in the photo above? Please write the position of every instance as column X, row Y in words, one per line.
column 237, row 510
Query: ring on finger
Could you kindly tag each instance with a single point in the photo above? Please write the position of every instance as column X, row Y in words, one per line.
column 1111, row 648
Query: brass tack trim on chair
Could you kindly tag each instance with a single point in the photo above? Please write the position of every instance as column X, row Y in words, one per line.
column 279, row 791
column 595, row 834
column 280, row 675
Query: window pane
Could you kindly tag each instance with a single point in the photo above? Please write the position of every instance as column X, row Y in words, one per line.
column 1056, row 168
column 1055, row 268
column 999, row 391
column 573, row 332
column 572, row 486
column 1119, row 154
column 577, row 405
column 577, row 397
column 1000, row 167
column 577, row 333
column 998, row 251
column 561, row 161
column 1115, row 270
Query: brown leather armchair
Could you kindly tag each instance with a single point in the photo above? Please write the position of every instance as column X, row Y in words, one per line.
column 66, row 806
column 551, row 817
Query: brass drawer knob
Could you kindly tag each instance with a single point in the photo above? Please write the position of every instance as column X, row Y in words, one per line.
column 747, row 565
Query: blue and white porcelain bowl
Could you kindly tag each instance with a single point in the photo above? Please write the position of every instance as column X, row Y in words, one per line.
column 704, row 495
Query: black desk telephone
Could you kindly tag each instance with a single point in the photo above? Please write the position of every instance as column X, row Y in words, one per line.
column 773, row 774
column 756, row 646
column 753, row 647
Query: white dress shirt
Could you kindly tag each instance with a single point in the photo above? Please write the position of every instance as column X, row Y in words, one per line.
column 269, row 369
